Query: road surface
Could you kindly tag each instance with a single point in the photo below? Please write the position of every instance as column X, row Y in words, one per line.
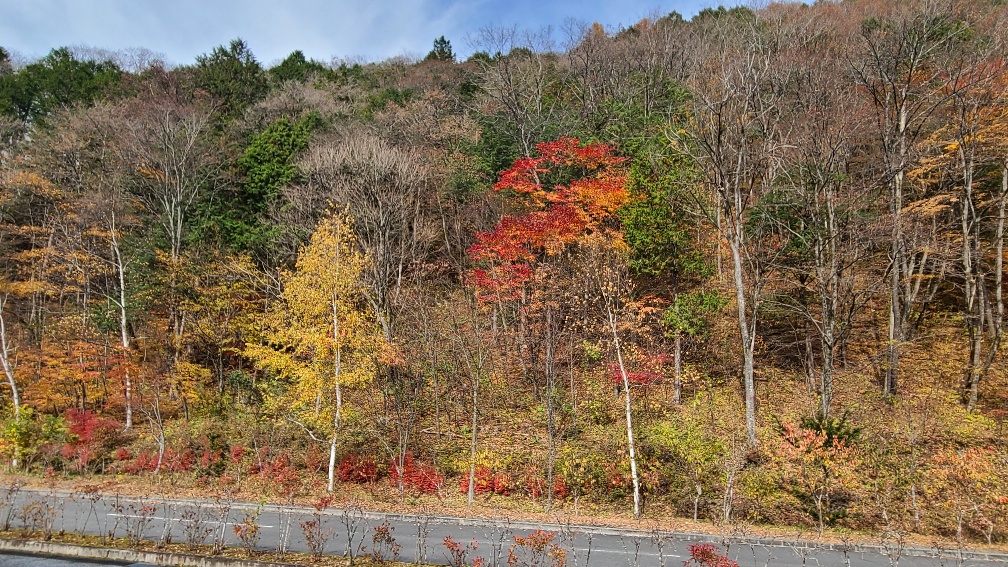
column 17, row 560
column 419, row 537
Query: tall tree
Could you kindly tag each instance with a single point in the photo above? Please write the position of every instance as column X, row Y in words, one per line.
column 823, row 198
column 383, row 188
column 566, row 191
column 442, row 51
column 57, row 80
column 81, row 152
column 521, row 75
column 319, row 340
column 734, row 137
column 174, row 160
column 898, row 68
column 968, row 162
column 605, row 262
column 242, row 218
column 232, row 76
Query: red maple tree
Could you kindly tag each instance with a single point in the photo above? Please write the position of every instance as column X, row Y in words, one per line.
column 568, row 189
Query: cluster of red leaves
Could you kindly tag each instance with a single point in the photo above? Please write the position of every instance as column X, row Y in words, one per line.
column 357, row 469
column 535, row 484
column 416, row 475
column 524, row 174
column 145, row 461
column 485, row 481
column 458, row 554
column 178, row 461
column 520, row 239
column 708, row 555
column 280, row 471
column 90, row 436
column 537, row 548
column 561, row 214
column 210, row 458
column 503, row 281
column 643, row 377
column 316, row 459
column 649, row 369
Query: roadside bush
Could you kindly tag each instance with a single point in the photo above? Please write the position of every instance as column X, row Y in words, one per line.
column 486, row 481
column 583, row 470
column 357, row 469
column 145, row 461
column 91, row 439
column 178, row 461
column 416, row 475
column 29, row 437
column 536, row 485
column 281, row 472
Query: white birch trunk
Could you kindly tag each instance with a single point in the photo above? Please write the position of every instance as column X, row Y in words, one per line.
column 629, row 416
column 5, row 359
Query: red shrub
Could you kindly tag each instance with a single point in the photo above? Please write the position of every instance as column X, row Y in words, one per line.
column 644, row 377
column 122, row 454
column 536, row 486
column 708, row 555
column 316, row 459
column 91, row 436
column 145, row 461
column 357, row 469
column 503, row 484
column 482, row 481
column 280, row 471
column 178, row 462
column 419, row 476
column 209, row 458
column 486, row 482
column 237, row 453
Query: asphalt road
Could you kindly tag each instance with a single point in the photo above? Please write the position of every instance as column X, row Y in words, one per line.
column 16, row 560
column 420, row 537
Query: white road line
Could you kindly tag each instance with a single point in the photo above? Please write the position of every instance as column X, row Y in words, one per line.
column 113, row 514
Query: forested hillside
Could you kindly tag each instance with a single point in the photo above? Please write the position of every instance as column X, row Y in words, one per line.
column 748, row 267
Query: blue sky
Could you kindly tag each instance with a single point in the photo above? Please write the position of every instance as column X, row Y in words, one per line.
column 371, row 29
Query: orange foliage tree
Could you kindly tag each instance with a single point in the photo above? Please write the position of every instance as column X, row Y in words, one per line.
column 968, row 485
column 565, row 192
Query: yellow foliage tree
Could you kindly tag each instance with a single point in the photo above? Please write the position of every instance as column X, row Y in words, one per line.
column 320, row 340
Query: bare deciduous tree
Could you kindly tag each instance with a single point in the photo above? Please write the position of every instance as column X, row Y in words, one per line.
column 383, row 189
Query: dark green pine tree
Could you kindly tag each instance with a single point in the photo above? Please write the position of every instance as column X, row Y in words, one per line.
column 442, row 51
column 232, row 76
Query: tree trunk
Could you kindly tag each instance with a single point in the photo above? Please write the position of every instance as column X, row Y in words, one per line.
column 828, row 274
column 629, row 416
column 335, row 436
column 696, row 502
column 5, row 359
column 550, row 371
column 746, row 330
column 332, row 463
column 123, row 331
column 677, row 376
column 472, row 447
column 337, row 370
column 337, row 376
column 898, row 306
